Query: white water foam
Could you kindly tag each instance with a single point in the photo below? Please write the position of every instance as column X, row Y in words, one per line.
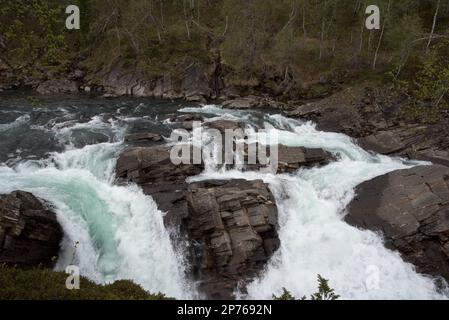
column 120, row 231
column 16, row 123
column 314, row 237
column 111, row 232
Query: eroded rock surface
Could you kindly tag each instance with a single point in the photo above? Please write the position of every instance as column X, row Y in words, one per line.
column 230, row 226
column 143, row 138
column 372, row 116
column 411, row 208
column 29, row 233
column 57, row 86
column 233, row 228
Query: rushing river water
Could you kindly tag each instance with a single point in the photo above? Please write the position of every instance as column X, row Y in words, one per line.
column 64, row 151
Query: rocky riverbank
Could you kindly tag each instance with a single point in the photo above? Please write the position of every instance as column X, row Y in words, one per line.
column 411, row 209
column 369, row 112
column 230, row 227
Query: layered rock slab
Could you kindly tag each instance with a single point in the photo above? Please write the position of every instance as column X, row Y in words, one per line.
column 29, row 233
column 411, row 209
column 230, row 226
column 233, row 226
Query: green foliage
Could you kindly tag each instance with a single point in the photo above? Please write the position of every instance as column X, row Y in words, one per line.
column 44, row 284
column 432, row 81
column 286, row 295
column 426, row 83
column 325, row 292
column 262, row 43
column 34, row 32
column 33, row 101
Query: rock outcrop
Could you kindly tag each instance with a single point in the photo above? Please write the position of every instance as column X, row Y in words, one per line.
column 152, row 169
column 143, row 138
column 372, row 116
column 120, row 80
column 291, row 159
column 232, row 226
column 29, row 232
column 411, row 209
column 153, row 166
column 57, row 86
column 252, row 102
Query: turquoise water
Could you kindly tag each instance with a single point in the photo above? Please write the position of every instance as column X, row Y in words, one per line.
column 64, row 151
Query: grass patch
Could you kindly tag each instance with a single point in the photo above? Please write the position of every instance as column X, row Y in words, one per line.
column 45, row 284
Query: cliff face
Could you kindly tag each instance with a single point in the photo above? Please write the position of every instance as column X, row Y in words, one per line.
column 29, row 233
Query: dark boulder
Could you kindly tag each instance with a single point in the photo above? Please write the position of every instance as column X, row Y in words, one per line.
column 252, row 102
column 29, row 232
column 291, row 159
column 185, row 121
column 241, row 103
column 223, row 125
column 143, row 138
column 411, row 209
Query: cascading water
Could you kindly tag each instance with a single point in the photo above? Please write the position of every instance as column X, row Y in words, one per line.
column 66, row 155
column 314, row 237
column 111, row 232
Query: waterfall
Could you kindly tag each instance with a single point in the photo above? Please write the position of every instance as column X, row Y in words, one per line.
column 111, row 232
column 116, row 232
column 315, row 239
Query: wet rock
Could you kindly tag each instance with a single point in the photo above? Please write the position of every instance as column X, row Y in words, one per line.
column 119, row 82
column 57, row 86
column 153, row 170
column 385, row 142
column 185, row 121
column 411, row 209
column 29, row 232
column 165, row 88
column 372, row 117
column 153, row 166
column 232, row 226
column 143, row 138
column 242, row 103
column 291, row 159
column 223, row 125
column 196, row 98
column 253, row 102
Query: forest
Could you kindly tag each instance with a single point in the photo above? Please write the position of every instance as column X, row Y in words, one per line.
column 280, row 47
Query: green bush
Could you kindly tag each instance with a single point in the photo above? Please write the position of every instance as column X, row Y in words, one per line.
column 325, row 292
column 45, row 284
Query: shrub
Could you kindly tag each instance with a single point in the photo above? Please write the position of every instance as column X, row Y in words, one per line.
column 45, row 284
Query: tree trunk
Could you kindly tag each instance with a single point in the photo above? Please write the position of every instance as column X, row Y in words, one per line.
column 381, row 37
column 433, row 25
column 304, row 3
